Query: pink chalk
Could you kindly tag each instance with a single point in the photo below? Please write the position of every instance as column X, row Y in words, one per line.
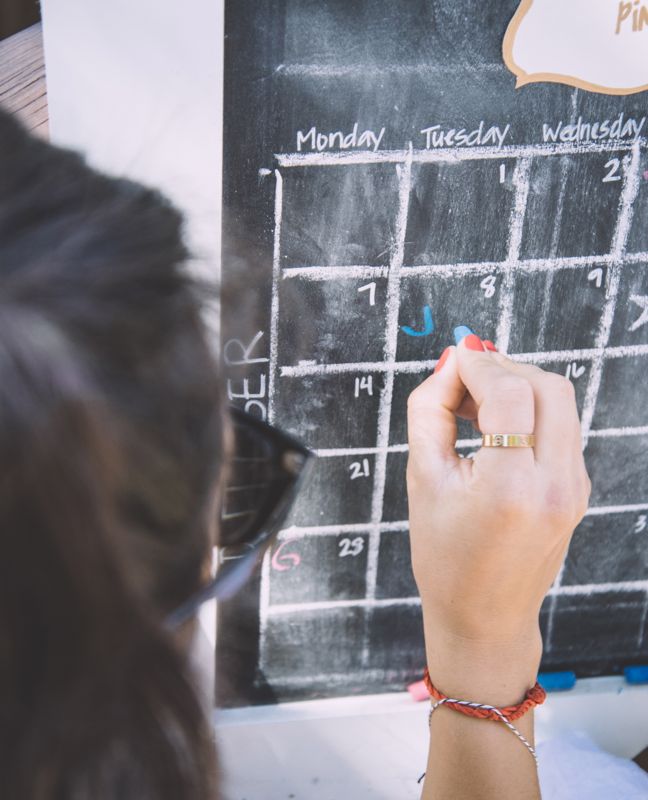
column 418, row 691
column 646, row 175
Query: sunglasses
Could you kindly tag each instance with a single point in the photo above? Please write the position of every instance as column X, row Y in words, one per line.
column 266, row 471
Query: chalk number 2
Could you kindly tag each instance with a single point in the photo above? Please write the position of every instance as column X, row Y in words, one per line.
column 640, row 524
column 613, row 166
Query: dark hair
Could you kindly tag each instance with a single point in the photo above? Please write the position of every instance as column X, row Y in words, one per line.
column 111, row 426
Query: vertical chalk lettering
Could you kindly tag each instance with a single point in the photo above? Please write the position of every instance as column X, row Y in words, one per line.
column 245, row 355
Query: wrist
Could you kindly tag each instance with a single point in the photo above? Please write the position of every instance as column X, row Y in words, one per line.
column 495, row 672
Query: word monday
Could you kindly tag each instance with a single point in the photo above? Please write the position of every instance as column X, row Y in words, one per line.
column 317, row 140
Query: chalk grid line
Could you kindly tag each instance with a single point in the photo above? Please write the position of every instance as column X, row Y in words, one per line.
column 524, row 265
column 395, row 273
column 516, row 225
column 557, row 230
column 619, row 242
column 384, row 410
column 450, row 155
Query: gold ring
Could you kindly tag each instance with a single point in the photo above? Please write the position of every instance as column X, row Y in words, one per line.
column 508, row 440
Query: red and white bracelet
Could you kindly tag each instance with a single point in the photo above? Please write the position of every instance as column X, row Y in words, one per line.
column 534, row 697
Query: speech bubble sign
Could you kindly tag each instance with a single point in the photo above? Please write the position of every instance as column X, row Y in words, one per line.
column 597, row 45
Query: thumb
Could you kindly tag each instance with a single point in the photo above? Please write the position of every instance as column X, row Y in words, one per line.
column 431, row 420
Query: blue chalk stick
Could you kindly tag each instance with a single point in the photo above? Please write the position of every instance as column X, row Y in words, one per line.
column 557, row 681
column 460, row 332
column 637, row 674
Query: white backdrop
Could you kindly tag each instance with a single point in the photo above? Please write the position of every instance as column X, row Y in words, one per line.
column 136, row 85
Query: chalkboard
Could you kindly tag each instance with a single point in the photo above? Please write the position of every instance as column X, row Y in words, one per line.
column 383, row 178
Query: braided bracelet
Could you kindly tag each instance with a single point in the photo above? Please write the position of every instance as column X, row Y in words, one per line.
column 534, row 697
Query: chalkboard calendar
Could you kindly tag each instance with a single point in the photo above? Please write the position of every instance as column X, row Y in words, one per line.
column 385, row 182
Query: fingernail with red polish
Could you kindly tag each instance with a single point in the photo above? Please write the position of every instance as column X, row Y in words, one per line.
column 473, row 342
column 489, row 345
column 442, row 359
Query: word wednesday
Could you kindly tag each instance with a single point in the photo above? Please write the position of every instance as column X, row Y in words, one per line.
column 329, row 141
column 619, row 128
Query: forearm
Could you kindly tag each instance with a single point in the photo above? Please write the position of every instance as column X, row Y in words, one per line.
column 475, row 759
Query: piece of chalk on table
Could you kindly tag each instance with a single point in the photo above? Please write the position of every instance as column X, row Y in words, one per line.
column 557, row 681
column 418, row 691
column 637, row 674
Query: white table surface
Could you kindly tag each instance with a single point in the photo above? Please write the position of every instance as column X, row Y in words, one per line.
column 375, row 747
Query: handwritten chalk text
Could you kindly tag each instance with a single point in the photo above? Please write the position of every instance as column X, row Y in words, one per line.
column 435, row 136
column 338, row 140
column 608, row 129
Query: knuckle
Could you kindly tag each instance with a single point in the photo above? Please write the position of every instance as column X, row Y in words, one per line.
column 419, row 396
column 565, row 503
column 515, row 497
column 585, row 495
column 415, row 398
column 514, row 390
column 560, row 385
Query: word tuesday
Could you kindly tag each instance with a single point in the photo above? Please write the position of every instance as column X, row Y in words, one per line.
column 435, row 136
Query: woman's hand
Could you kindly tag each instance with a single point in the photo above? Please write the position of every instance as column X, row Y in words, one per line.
column 489, row 534
column 488, row 537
